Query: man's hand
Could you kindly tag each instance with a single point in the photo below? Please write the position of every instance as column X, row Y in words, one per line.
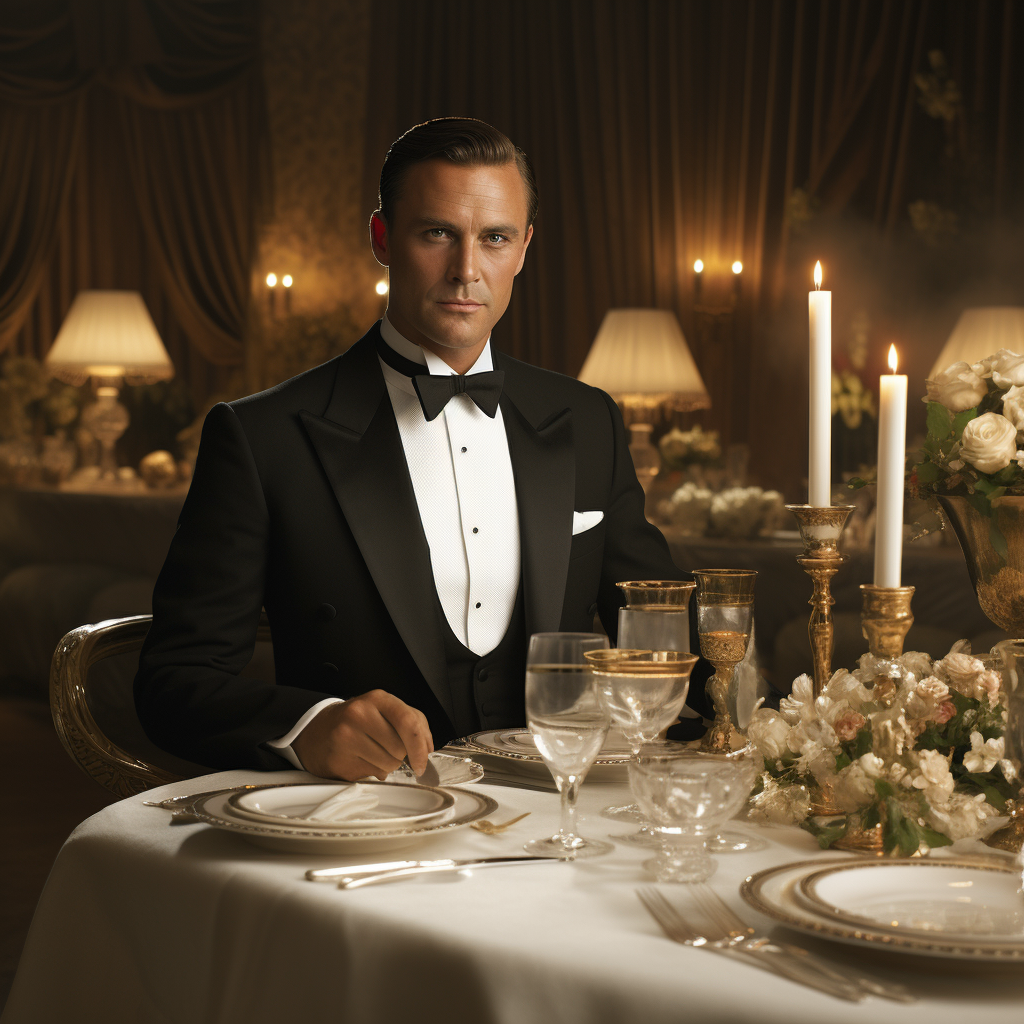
column 367, row 735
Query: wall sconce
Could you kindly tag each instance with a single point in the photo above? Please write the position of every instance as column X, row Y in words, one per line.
column 272, row 284
column 737, row 270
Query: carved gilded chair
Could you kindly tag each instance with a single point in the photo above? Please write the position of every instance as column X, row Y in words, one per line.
column 76, row 681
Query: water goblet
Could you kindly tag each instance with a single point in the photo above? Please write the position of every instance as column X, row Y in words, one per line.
column 568, row 722
column 656, row 593
column 644, row 692
column 688, row 793
column 725, row 609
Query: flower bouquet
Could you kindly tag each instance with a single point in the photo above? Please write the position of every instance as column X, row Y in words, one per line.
column 923, row 766
column 972, row 465
column 681, row 449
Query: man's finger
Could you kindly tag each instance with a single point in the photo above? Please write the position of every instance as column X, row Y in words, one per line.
column 411, row 726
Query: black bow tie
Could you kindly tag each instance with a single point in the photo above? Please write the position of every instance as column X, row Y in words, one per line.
column 434, row 390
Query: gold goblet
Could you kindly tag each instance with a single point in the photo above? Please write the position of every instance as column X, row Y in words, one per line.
column 725, row 612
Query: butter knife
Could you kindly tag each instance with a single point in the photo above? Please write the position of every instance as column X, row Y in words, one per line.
column 357, row 875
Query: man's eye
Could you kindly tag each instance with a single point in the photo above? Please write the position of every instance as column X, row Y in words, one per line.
column 496, row 239
column 436, row 233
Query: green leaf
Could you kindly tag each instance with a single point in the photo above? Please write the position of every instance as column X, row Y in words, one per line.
column 939, row 421
column 861, row 743
column 826, row 834
column 871, row 817
column 883, row 788
column 855, row 483
column 928, row 473
column 961, row 419
column 842, row 760
column 933, row 838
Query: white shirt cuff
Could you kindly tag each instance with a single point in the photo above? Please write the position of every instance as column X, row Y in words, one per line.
column 283, row 744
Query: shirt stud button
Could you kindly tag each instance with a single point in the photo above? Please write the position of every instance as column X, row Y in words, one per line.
column 465, row 449
column 478, row 604
column 475, row 530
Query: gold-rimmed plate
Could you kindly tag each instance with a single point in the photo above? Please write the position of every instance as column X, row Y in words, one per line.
column 777, row 892
column 215, row 810
column 397, row 805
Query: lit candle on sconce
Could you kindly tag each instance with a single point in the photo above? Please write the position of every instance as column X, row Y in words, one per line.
column 737, row 271
column 272, row 285
column 287, row 281
column 698, row 278
column 382, row 290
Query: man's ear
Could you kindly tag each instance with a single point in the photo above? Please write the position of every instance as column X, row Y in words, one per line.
column 522, row 255
column 379, row 238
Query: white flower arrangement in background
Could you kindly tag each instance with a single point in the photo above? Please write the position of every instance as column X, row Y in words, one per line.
column 930, row 768
column 738, row 512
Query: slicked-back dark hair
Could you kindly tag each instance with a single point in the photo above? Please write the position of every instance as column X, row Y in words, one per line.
column 460, row 140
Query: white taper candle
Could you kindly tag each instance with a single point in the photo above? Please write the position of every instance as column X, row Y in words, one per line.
column 892, row 443
column 819, row 467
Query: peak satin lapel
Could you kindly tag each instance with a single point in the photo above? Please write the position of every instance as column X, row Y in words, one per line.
column 370, row 479
column 545, row 473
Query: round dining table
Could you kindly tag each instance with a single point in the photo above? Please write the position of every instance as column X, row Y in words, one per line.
column 144, row 920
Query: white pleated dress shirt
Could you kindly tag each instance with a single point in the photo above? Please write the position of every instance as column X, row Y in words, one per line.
column 462, row 478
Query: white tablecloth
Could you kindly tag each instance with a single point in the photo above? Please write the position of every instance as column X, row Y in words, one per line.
column 142, row 921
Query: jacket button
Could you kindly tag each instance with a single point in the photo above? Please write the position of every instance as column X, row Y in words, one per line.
column 482, row 675
column 327, row 612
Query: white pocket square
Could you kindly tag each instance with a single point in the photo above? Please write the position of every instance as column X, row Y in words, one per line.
column 583, row 521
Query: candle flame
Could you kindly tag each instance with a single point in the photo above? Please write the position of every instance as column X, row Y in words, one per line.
column 817, row 274
column 382, row 288
column 271, row 280
column 737, row 267
column 698, row 266
column 893, row 359
column 287, row 280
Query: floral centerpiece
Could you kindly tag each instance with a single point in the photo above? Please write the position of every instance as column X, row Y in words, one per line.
column 925, row 765
column 681, row 449
column 972, row 464
column 737, row 512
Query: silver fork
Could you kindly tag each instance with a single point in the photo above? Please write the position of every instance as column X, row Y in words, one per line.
column 722, row 916
column 759, row 952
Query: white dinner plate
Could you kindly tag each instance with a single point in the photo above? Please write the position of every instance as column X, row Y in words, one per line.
column 514, row 752
column 956, row 901
column 399, row 804
column 777, row 893
column 213, row 809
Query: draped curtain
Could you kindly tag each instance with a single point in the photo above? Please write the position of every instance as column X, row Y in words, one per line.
column 135, row 157
column 664, row 131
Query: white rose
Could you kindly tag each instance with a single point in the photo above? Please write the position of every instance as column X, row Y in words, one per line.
column 959, row 670
column 933, row 776
column 1013, row 406
column 769, row 732
column 984, row 755
column 918, row 663
column 800, row 703
column 1006, row 368
column 989, row 442
column 987, row 685
column 958, row 387
column 962, row 816
column 932, row 690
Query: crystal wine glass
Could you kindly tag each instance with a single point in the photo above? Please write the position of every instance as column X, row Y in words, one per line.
column 644, row 692
column 569, row 722
column 688, row 794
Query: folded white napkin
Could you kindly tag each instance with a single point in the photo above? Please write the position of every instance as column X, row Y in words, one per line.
column 583, row 521
column 346, row 803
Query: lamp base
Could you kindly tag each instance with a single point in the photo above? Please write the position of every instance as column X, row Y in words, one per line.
column 106, row 419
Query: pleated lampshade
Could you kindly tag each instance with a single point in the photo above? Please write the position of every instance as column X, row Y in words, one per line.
column 982, row 332
column 109, row 334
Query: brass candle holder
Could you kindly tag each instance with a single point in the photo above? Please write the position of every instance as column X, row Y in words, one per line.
column 885, row 619
column 820, row 530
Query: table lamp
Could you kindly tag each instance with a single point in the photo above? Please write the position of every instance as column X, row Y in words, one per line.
column 640, row 357
column 109, row 336
column 982, row 332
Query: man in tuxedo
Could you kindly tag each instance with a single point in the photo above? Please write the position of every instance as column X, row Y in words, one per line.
column 407, row 513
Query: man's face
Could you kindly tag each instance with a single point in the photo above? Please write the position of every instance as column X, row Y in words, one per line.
column 457, row 241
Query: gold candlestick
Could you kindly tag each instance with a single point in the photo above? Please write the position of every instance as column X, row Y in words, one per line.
column 820, row 530
column 885, row 619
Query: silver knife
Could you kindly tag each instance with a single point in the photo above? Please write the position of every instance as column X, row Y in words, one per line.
column 429, row 776
column 358, row 875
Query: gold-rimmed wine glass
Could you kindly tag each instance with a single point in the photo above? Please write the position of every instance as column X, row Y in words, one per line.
column 644, row 692
column 725, row 611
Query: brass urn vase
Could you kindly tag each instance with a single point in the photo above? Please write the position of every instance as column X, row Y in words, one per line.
column 997, row 578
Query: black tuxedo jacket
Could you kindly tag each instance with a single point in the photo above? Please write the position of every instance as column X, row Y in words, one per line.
column 302, row 503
